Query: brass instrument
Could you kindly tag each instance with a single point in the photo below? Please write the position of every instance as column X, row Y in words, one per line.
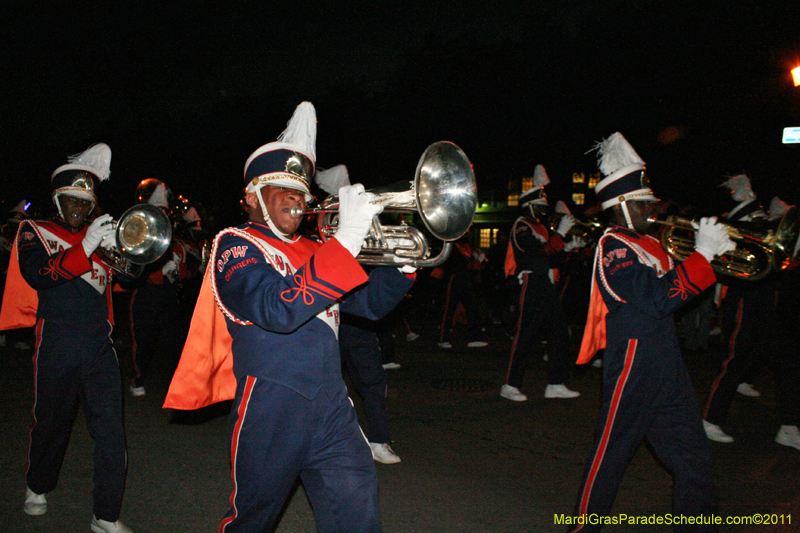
column 443, row 193
column 588, row 231
column 143, row 233
column 760, row 249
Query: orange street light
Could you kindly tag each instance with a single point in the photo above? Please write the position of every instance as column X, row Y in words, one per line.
column 796, row 76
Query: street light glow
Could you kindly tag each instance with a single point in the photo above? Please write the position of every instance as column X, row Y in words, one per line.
column 796, row 76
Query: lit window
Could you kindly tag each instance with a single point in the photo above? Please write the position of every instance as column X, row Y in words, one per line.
column 527, row 183
column 486, row 238
column 513, row 199
column 594, row 179
column 578, row 198
column 578, row 177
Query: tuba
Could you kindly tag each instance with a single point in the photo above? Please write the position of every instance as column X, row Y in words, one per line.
column 444, row 195
column 143, row 233
column 760, row 249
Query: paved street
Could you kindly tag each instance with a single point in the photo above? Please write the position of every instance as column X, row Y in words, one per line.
column 472, row 462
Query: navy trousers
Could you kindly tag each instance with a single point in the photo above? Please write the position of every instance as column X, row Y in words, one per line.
column 76, row 364
column 648, row 396
column 278, row 435
column 362, row 355
column 540, row 316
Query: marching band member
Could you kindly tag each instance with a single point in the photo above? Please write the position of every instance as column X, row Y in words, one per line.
column 264, row 333
column 530, row 250
column 57, row 282
column 154, row 310
column 749, row 315
column 647, row 392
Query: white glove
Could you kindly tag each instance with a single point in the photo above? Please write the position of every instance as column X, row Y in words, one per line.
column 169, row 267
column 712, row 238
column 355, row 216
column 521, row 276
column 402, row 262
column 565, row 224
column 110, row 241
column 98, row 230
column 574, row 244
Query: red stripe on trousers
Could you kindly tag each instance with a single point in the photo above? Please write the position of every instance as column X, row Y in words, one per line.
column 241, row 411
column 612, row 413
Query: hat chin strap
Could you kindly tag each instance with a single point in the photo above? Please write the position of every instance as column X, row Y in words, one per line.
column 268, row 220
column 56, row 196
column 627, row 215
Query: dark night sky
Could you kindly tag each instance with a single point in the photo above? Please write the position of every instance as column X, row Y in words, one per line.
column 185, row 92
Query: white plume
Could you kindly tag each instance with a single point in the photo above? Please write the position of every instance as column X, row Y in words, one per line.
column 740, row 188
column 98, row 157
column 301, row 130
column 332, row 179
column 615, row 153
column 159, row 196
column 540, row 178
column 777, row 208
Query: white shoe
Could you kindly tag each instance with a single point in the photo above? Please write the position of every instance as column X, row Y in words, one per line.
column 138, row 391
column 412, row 336
column 788, row 436
column 512, row 393
column 597, row 363
column 560, row 391
column 35, row 504
column 715, row 433
column 477, row 344
column 383, row 453
column 444, row 345
column 103, row 526
column 746, row 389
column 391, row 366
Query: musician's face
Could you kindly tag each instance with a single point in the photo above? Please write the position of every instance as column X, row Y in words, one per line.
column 640, row 212
column 279, row 202
column 75, row 210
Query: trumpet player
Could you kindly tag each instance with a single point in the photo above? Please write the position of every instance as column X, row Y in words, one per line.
column 156, row 328
column 279, row 295
column 749, row 317
column 647, row 392
column 58, row 282
column 531, row 248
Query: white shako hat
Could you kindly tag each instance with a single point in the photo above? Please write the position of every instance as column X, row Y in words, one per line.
column 535, row 195
column 82, row 174
column 290, row 161
column 624, row 172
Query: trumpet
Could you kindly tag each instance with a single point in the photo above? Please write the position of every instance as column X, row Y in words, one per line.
column 759, row 249
column 142, row 234
column 589, row 231
column 443, row 193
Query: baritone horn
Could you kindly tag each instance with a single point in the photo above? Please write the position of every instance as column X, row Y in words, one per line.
column 760, row 249
column 143, row 233
column 443, row 193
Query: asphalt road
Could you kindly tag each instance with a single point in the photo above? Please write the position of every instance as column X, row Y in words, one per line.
column 471, row 461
